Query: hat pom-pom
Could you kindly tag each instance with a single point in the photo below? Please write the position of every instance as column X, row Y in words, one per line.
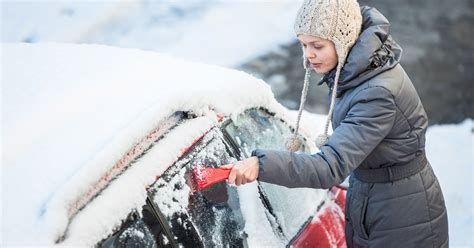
column 294, row 143
column 321, row 140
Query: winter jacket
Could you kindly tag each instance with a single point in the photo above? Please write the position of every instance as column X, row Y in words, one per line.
column 378, row 122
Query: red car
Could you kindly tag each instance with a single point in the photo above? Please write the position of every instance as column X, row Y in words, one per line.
column 101, row 146
column 177, row 213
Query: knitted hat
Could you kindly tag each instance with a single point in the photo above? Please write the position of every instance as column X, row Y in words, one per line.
column 339, row 21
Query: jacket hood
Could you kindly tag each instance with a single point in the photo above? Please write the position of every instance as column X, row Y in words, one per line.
column 373, row 53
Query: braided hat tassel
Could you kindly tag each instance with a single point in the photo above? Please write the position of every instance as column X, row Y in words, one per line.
column 295, row 142
column 323, row 138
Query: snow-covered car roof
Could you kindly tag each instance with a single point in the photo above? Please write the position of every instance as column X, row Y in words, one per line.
column 71, row 112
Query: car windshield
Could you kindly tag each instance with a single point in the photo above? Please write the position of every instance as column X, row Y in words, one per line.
column 292, row 208
column 212, row 215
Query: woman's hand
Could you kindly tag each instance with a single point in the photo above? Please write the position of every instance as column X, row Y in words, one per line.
column 244, row 171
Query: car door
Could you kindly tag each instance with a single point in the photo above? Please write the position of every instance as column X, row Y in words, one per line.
column 291, row 208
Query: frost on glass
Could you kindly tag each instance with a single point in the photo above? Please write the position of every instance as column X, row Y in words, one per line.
column 137, row 235
column 256, row 128
column 137, row 231
column 211, row 216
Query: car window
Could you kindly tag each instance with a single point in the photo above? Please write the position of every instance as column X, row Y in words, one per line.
column 257, row 128
column 211, row 216
column 138, row 231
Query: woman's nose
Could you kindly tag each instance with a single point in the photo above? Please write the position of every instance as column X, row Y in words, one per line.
column 310, row 54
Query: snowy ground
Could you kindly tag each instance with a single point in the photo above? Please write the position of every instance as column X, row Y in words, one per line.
column 450, row 150
column 217, row 32
column 226, row 33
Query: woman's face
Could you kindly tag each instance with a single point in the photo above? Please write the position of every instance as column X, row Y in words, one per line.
column 321, row 53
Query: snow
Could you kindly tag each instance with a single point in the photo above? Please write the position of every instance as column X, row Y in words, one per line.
column 287, row 204
column 54, row 138
column 67, row 131
column 450, row 150
column 128, row 191
column 255, row 214
column 75, row 86
column 66, row 21
column 200, row 30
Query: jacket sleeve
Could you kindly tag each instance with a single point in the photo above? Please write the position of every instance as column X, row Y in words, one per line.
column 368, row 121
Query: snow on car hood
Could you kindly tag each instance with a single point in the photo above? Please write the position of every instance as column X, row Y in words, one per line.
column 71, row 111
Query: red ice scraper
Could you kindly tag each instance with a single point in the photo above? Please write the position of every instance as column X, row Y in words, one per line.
column 209, row 176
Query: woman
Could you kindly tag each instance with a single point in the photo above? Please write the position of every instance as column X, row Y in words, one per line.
column 394, row 198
